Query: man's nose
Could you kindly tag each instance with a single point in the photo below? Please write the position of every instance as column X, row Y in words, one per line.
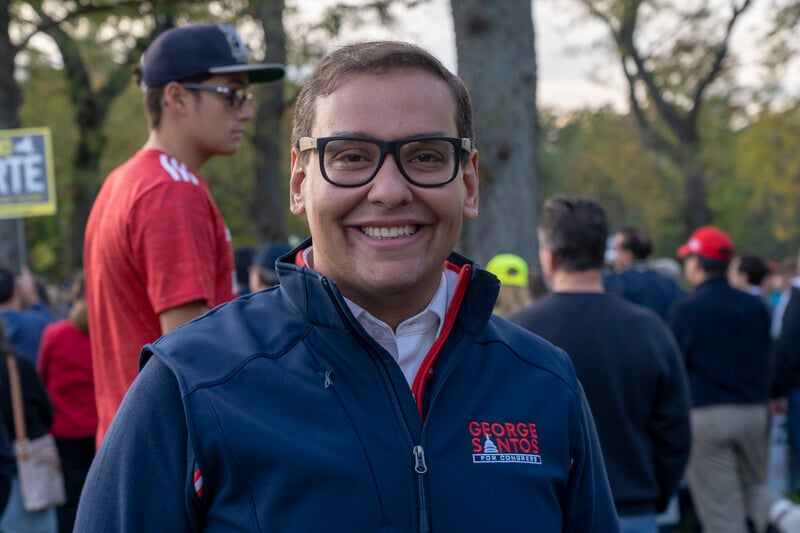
column 389, row 186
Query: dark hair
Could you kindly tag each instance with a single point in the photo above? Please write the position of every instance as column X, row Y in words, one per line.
column 712, row 267
column 154, row 96
column 374, row 58
column 7, row 284
column 754, row 267
column 5, row 346
column 636, row 241
column 575, row 229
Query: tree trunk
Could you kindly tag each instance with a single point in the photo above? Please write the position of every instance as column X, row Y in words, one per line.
column 271, row 193
column 10, row 100
column 83, row 188
column 696, row 212
column 497, row 61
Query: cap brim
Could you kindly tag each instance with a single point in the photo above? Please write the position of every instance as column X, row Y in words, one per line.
column 684, row 250
column 259, row 72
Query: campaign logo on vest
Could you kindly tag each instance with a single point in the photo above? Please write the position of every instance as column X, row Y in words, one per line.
column 504, row 442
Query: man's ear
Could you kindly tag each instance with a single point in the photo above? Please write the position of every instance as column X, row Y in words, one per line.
column 296, row 181
column 547, row 261
column 174, row 97
column 470, row 177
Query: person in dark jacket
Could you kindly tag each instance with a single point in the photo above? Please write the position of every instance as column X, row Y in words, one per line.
column 634, row 279
column 786, row 373
column 371, row 389
column 625, row 357
column 724, row 336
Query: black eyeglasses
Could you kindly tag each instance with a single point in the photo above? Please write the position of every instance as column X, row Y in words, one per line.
column 236, row 96
column 355, row 161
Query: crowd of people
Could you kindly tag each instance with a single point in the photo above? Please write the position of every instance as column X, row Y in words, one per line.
column 370, row 378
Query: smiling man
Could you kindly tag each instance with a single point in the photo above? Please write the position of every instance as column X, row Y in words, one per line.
column 372, row 389
column 157, row 251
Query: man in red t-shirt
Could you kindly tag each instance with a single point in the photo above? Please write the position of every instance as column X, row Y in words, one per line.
column 157, row 251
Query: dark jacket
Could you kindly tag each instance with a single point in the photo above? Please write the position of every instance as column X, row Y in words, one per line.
column 640, row 285
column 724, row 336
column 631, row 370
column 37, row 405
column 786, row 353
column 299, row 421
column 38, row 416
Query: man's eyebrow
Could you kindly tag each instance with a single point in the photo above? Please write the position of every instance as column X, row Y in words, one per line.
column 357, row 133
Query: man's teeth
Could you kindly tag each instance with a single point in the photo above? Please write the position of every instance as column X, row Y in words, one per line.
column 389, row 233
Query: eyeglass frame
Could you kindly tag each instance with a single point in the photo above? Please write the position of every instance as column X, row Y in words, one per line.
column 310, row 143
column 229, row 92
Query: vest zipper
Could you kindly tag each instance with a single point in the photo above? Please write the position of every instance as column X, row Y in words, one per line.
column 420, row 466
column 421, row 469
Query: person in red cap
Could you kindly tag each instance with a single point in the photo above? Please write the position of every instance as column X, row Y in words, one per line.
column 157, row 251
column 725, row 339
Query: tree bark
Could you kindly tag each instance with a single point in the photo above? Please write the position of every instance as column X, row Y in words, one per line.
column 10, row 99
column 269, row 210
column 497, row 61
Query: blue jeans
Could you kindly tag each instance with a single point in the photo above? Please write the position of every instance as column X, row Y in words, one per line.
column 16, row 519
column 638, row 523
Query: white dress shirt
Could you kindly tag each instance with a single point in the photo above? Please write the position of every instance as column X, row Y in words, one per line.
column 414, row 336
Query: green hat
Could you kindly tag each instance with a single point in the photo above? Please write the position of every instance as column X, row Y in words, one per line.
column 510, row 269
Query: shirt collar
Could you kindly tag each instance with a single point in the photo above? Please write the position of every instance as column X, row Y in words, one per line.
column 438, row 304
column 436, row 308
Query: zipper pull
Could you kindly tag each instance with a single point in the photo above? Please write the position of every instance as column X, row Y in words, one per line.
column 419, row 460
column 421, row 468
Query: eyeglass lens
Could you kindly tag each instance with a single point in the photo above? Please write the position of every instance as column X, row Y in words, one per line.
column 236, row 96
column 239, row 96
column 427, row 162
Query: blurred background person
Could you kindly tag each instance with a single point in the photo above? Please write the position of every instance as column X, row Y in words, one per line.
column 38, row 420
column 65, row 366
column 24, row 312
column 157, row 251
column 515, row 294
column 262, row 270
column 634, row 279
column 782, row 281
column 625, row 357
column 786, row 371
column 748, row 273
column 724, row 336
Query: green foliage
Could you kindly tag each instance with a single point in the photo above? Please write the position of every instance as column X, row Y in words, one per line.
column 768, row 165
column 753, row 172
column 45, row 104
column 600, row 155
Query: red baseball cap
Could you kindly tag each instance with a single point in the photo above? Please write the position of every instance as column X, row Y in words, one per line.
column 709, row 242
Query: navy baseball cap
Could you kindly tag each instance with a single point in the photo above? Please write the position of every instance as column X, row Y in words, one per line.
column 196, row 49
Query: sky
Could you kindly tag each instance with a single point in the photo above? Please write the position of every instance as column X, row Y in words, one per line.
column 567, row 80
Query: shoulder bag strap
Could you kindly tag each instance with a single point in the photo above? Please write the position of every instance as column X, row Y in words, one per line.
column 16, row 397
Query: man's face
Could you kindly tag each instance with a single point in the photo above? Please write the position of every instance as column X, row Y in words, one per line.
column 735, row 278
column 217, row 127
column 692, row 271
column 402, row 271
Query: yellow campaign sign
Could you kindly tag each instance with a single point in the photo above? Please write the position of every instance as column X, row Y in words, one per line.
column 27, row 179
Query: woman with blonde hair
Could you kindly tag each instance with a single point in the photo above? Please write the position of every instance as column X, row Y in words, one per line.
column 515, row 294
